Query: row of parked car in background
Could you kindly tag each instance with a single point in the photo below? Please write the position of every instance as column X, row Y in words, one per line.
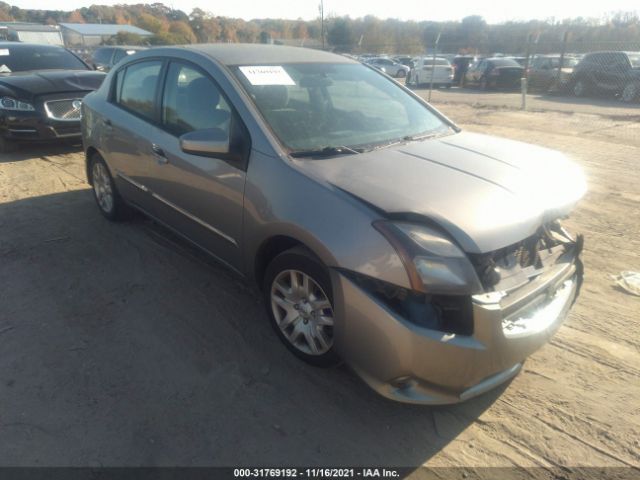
column 608, row 73
column 42, row 86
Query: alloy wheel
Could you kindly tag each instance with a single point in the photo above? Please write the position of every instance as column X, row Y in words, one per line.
column 303, row 312
column 102, row 187
column 630, row 92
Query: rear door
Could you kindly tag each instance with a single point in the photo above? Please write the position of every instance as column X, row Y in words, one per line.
column 130, row 119
column 601, row 64
column 537, row 72
column 615, row 77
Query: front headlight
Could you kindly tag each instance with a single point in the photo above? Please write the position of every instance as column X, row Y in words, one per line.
column 434, row 263
column 9, row 103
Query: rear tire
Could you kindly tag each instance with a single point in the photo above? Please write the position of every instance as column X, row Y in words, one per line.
column 107, row 197
column 401, row 74
column 299, row 302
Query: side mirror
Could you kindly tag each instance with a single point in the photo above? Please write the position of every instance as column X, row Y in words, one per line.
column 207, row 142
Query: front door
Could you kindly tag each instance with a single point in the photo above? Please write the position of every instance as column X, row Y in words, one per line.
column 199, row 196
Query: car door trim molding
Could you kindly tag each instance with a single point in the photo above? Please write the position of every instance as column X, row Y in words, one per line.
column 195, row 219
column 132, row 182
column 177, row 208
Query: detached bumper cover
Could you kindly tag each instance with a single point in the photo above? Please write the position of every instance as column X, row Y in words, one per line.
column 409, row 363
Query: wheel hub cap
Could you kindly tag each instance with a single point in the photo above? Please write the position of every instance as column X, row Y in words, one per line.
column 303, row 312
column 102, row 187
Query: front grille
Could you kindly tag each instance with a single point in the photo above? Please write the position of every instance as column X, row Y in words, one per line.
column 66, row 110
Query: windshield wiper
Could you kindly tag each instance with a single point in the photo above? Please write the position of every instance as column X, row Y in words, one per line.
column 325, row 152
column 425, row 136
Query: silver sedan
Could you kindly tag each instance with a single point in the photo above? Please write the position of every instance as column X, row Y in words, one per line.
column 432, row 261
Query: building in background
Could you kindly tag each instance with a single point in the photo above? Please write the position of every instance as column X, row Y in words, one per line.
column 94, row 34
column 31, row 33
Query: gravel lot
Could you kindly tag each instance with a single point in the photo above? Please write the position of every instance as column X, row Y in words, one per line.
column 536, row 101
column 122, row 346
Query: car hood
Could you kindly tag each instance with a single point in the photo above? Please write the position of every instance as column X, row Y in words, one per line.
column 486, row 192
column 30, row 84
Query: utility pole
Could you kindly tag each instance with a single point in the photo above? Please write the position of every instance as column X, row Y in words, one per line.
column 321, row 8
column 433, row 65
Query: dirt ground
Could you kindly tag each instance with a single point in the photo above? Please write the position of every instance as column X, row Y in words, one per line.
column 121, row 346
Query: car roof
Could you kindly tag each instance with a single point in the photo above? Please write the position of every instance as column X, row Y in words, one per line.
column 28, row 45
column 124, row 47
column 261, row 54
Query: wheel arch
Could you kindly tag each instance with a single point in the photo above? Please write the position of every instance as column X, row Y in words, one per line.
column 88, row 156
column 271, row 248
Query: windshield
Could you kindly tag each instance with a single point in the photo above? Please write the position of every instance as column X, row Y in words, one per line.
column 317, row 105
column 22, row 58
column 634, row 58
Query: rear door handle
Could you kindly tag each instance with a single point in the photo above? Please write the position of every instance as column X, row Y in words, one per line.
column 158, row 152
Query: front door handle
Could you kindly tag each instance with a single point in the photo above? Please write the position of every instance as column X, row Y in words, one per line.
column 158, row 152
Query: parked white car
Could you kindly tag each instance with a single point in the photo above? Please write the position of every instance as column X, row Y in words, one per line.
column 427, row 70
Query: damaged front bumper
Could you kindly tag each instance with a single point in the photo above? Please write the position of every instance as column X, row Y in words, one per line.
column 410, row 363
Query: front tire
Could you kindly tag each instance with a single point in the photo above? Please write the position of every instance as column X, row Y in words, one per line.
column 109, row 201
column 299, row 301
column 630, row 92
column 580, row 88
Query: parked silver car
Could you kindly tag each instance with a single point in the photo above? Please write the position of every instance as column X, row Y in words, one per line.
column 432, row 261
column 390, row 67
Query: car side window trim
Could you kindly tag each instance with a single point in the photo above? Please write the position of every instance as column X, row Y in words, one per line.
column 114, row 92
column 237, row 124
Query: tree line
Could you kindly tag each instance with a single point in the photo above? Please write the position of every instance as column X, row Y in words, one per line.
column 369, row 34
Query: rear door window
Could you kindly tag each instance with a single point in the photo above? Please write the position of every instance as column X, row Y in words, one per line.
column 136, row 87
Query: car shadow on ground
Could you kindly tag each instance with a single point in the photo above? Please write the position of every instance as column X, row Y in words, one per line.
column 26, row 151
column 123, row 346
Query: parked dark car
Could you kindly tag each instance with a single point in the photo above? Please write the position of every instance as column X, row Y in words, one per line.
column 104, row 58
column 41, row 92
column 461, row 65
column 521, row 60
column 545, row 71
column 496, row 72
column 616, row 73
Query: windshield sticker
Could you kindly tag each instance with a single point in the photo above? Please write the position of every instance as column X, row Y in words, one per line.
column 267, row 75
column 4, row 69
column 4, row 52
